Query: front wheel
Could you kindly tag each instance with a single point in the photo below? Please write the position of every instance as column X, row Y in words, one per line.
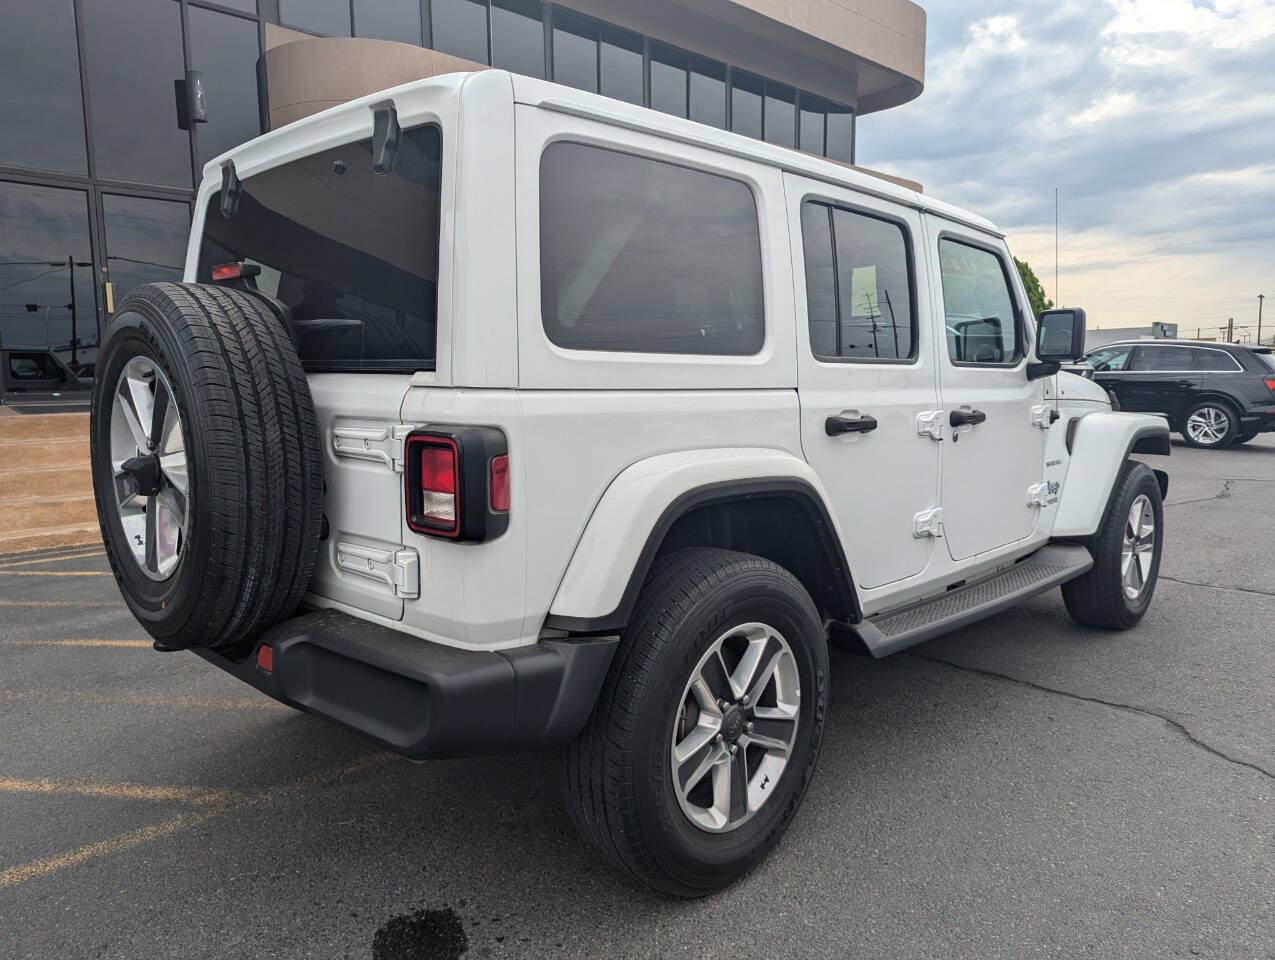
column 706, row 733
column 1116, row 592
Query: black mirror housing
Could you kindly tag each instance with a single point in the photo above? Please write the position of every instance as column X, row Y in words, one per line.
column 1060, row 335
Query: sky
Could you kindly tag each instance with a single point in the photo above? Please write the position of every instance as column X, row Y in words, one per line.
column 1155, row 119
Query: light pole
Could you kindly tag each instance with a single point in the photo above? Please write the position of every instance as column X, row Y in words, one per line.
column 1261, row 298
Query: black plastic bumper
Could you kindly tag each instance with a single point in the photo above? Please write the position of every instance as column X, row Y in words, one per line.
column 425, row 700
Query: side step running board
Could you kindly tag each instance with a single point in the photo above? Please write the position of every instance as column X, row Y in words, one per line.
column 1047, row 568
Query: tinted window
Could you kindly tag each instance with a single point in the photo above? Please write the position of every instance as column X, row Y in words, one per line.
column 621, row 62
column 1217, row 360
column 1164, row 358
column 322, row 16
column 1109, row 358
column 1266, row 357
column 225, row 49
column 41, row 113
column 811, row 124
column 708, row 92
column 859, row 285
column 668, row 79
column 781, row 114
column 33, row 366
column 460, row 28
column 746, row 104
column 840, row 145
column 518, row 36
column 355, row 255
column 575, row 50
column 46, row 264
column 134, row 55
column 643, row 256
column 388, row 20
column 982, row 324
column 145, row 240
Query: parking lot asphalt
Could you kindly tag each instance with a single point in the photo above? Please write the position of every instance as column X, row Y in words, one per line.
column 1022, row 788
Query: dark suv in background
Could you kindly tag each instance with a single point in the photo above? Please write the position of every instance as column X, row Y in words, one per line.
column 1214, row 394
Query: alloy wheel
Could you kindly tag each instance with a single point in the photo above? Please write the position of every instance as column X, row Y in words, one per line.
column 1138, row 551
column 1208, row 426
column 736, row 727
column 148, row 460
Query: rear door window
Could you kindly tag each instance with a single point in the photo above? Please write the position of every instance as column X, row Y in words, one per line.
column 644, row 256
column 353, row 254
column 1218, row 361
column 1164, row 359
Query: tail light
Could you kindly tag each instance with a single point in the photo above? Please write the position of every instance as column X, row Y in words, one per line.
column 241, row 270
column 1270, row 384
column 457, row 483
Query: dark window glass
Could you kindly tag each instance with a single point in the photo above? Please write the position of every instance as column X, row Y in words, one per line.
column 1108, row 358
column 134, row 56
column 821, row 278
column 840, row 134
column 708, row 92
column 41, row 114
column 668, row 79
column 643, row 256
column 861, row 308
column 621, row 62
column 331, row 17
column 460, row 28
column 33, row 366
column 1164, row 358
column 811, row 130
column 575, row 50
column 1266, row 358
column 518, row 36
column 746, row 104
column 145, row 240
column 1217, row 360
column 388, row 20
column 781, row 115
column 982, row 324
column 225, row 49
column 355, row 255
column 46, row 264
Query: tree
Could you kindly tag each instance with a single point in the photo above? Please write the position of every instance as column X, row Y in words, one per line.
column 1035, row 292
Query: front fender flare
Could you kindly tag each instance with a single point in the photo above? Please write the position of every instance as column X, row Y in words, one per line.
column 1100, row 443
column 623, row 535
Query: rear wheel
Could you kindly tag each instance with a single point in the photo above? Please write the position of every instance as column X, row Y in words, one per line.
column 1210, row 425
column 708, row 727
column 1117, row 591
column 206, row 465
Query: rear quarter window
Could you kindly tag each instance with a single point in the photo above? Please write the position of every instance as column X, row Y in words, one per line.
column 644, row 256
column 352, row 253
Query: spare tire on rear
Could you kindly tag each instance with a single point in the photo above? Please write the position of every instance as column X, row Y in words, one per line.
column 207, row 465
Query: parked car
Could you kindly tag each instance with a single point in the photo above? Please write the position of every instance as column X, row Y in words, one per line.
column 493, row 415
column 1214, row 394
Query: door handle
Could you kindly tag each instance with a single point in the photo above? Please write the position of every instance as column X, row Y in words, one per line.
column 836, row 426
column 967, row 418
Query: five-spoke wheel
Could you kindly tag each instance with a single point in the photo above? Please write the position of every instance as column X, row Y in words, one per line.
column 1210, row 425
column 1138, row 550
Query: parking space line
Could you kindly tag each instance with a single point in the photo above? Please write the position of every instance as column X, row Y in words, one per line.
column 200, row 796
column 11, row 564
column 137, row 699
column 55, row 573
column 226, row 801
column 50, row 603
column 126, row 841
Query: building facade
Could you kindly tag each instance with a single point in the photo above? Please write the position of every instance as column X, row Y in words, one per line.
column 104, row 138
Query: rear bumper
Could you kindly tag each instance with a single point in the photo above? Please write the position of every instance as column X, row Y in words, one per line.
column 1258, row 420
column 425, row 700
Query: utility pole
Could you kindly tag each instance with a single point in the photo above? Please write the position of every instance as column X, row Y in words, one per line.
column 1230, row 330
column 1261, row 298
column 75, row 338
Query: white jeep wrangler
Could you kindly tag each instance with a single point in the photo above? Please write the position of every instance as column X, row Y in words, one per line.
column 497, row 416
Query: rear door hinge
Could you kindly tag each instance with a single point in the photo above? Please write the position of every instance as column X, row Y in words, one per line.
column 381, row 444
column 1045, row 416
column 929, row 423
column 1038, row 495
column 400, row 570
column 928, row 523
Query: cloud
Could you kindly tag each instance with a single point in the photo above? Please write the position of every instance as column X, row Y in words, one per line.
column 1154, row 118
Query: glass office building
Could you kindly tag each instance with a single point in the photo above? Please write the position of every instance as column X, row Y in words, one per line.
column 99, row 155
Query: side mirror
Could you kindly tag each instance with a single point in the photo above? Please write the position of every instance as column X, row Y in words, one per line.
column 1060, row 336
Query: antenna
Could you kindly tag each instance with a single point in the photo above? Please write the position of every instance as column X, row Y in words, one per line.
column 1057, row 294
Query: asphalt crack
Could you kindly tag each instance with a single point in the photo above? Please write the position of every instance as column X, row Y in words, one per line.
column 1219, row 586
column 1225, row 492
column 1123, row 707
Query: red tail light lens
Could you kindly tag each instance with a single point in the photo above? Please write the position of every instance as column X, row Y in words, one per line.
column 1270, row 385
column 227, row 271
column 265, row 658
column 438, row 486
column 500, row 483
